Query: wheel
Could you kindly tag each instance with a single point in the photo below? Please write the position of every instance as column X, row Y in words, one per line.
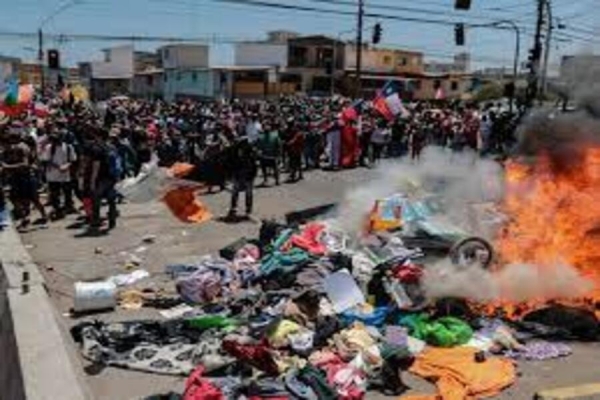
column 472, row 251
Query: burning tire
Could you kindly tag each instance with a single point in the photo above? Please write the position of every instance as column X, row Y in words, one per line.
column 471, row 252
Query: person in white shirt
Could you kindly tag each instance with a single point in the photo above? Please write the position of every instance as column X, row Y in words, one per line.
column 380, row 137
column 58, row 156
column 253, row 129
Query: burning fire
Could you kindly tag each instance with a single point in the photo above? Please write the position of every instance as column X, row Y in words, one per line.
column 554, row 218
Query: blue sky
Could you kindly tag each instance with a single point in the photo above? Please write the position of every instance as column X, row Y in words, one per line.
column 210, row 18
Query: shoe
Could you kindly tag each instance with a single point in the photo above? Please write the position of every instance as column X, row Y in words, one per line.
column 40, row 221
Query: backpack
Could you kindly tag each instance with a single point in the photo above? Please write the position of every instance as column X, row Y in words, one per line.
column 115, row 164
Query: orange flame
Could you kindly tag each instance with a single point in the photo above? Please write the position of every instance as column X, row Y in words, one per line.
column 554, row 218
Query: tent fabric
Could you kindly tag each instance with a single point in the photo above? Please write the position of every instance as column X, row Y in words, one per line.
column 183, row 204
column 459, row 377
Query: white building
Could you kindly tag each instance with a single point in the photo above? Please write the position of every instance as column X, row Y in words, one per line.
column 252, row 54
column 182, row 56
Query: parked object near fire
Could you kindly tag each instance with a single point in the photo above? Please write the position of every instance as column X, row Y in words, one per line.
column 420, row 222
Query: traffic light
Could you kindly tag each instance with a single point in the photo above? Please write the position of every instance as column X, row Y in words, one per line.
column 462, row 4
column 53, row 59
column 459, row 34
column 377, row 31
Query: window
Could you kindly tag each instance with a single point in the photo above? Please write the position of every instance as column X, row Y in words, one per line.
column 387, row 60
column 166, row 54
column 178, row 76
column 165, row 77
column 437, row 84
column 194, row 76
column 416, row 84
column 454, row 86
column 107, row 56
column 403, row 61
column 149, row 80
column 298, row 56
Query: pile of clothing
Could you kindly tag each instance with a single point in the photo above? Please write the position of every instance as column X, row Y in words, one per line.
column 310, row 313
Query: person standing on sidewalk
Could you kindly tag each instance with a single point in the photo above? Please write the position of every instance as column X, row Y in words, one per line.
column 106, row 169
column 269, row 149
column 19, row 166
column 58, row 156
column 243, row 172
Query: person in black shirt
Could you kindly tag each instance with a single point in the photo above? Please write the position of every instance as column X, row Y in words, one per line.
column 103, row 179
column 243, row 170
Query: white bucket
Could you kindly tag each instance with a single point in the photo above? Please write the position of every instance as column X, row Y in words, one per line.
column 92, row 296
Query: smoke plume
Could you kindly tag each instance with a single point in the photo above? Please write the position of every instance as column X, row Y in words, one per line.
column 514, row 282
column 458, row 179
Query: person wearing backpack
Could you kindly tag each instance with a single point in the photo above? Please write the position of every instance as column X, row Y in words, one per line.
column 58, row 156
column 106, row 171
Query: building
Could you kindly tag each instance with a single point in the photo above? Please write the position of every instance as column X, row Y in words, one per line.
column 30, row 73
column 112, row 76
column 224, row 82
column 379, row 60
column 149, row 84
column 9, row 67
column 252, row 54
column 315, row 63
column 182, row 56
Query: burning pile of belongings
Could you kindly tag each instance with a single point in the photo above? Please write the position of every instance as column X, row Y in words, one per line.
column 307, row 311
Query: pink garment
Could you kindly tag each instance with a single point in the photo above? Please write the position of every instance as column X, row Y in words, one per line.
column 308, row 239
column 348, row 380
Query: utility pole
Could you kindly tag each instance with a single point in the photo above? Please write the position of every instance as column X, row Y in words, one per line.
column 359, row 40
column 41, row 58
column 550, row 27
column 534, row 61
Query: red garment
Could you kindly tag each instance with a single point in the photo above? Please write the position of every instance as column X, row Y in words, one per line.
column 349, row 146
column 408, row 273
column 259, row 356
column 198, row 388
column 308, row 239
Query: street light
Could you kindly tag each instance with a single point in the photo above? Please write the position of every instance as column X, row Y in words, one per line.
column 61, row 8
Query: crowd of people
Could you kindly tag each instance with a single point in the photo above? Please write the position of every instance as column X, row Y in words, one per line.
column 82, row 150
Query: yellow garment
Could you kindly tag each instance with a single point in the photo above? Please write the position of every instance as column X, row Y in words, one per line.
column 457, row 375
column 278, row 335
column 350, row 342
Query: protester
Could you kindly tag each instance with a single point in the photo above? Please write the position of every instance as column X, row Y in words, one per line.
column 269, row 150
column 106, row 168
column 243, row 172
column 103, row 143
column 58, row 157
column 20, row 166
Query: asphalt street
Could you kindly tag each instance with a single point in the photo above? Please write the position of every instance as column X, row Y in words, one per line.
column 64, row 256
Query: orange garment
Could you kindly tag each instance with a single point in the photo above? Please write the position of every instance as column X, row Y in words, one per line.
column 457, row 375
column 181, row 170
column 183, row 204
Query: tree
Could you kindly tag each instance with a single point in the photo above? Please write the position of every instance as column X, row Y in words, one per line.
column 489, row 91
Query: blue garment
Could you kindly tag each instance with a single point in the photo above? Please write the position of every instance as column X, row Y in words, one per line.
column 375, row 318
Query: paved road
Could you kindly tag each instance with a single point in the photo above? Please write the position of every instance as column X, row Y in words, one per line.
column 64, row 258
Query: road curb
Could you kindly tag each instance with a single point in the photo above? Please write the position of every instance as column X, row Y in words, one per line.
column 580, row 392
column 36, row 364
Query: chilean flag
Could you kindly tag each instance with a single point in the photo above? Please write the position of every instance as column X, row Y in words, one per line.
column 388, row 101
